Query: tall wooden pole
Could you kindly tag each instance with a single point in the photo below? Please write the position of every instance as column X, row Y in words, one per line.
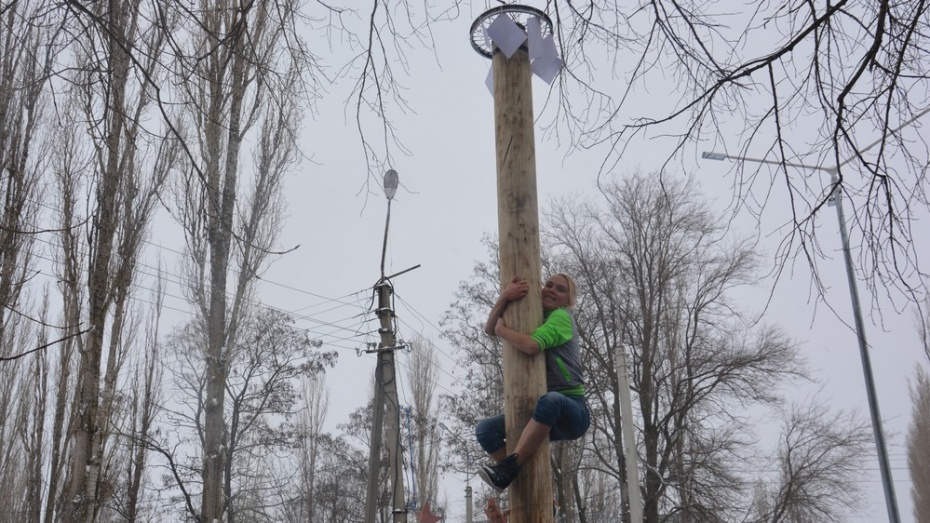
column 518, row 220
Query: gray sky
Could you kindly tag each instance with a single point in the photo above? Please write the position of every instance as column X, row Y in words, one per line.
column 447, row 202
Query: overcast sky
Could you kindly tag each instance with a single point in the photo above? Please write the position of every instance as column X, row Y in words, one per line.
column 447, row 202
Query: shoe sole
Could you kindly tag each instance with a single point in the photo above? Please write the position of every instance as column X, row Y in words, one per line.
column 483, row 474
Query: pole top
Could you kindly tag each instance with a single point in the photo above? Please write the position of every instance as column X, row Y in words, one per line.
column 520, row 14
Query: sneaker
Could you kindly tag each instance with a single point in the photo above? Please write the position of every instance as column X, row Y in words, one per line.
column 500, row 476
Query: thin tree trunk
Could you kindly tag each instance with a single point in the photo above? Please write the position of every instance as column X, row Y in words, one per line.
column 85, row 464
column 219, row 237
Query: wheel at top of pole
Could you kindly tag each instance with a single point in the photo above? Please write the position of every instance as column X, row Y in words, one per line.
column 520, row 14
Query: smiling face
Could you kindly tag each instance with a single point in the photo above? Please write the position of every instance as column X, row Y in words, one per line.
column 556, row 293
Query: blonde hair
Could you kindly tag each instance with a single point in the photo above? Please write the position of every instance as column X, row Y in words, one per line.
column 572, row 293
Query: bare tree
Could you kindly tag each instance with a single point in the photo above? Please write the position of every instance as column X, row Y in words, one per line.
column 33, row 432
column 28, row 51
column 425, row 445
column 341, row 481
column 918, row 444
column 135, row 425
column 25, row 73
column 574, row 482
column 266, row 366
column 240, row 65
column 824, row 83
column 655, row 275
column 302, row 504
column 69, row 157
column 820, row 457
column 102, row 81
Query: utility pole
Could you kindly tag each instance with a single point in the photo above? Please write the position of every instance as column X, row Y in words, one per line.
column 629, row 440
column 468, row 515
column 518, row 221
column 386, row 392
column 389, row 381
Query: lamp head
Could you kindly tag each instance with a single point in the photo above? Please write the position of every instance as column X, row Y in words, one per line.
column 390, row 183
column 711, row 155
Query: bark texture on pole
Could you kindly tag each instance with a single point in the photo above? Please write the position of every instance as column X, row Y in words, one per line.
column 518, row 220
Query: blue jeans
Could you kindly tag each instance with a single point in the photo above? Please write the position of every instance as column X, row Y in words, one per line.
column 567, row 417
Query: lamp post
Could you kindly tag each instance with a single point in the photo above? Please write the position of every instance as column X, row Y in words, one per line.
column 386, row 391
column 890, row 501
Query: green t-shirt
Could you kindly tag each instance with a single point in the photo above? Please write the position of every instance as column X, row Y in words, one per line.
column 558, row 340
column 555, row 331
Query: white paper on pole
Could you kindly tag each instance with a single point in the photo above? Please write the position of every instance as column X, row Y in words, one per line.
column 547, row 69
column 506, row 35
column 549, row 52
column 534, row 37
column 549, row 63
column 489, row 81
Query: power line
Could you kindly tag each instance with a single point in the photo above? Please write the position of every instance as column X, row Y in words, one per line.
column 156, row 272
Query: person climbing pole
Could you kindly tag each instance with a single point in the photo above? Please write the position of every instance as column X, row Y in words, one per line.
column 560, row 414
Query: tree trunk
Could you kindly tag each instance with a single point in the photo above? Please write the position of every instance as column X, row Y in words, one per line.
column 222, row 183
column 85, row 463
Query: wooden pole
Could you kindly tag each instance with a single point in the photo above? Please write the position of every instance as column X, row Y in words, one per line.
column 518, row 220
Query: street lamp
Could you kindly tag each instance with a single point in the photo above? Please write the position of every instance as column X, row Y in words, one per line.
column 890, row 501
column 386, row 389
column 391, row 181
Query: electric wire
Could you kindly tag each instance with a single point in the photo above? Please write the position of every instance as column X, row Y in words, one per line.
column 352, row 332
